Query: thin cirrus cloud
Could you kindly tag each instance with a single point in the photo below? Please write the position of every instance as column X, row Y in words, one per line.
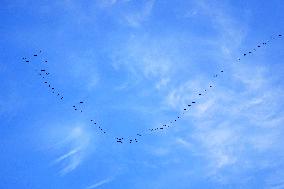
column 100, row 183
column 229, row 126
column 137, row 65
column 221, row 142
column 73, row 145
column 225, row 142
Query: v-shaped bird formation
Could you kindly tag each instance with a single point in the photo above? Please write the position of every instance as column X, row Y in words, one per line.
column 43, row 72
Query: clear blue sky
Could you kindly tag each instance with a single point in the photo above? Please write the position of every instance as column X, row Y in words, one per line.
column 136, row 65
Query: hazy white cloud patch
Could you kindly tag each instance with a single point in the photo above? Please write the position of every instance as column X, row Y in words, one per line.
column 107, row 3
column 72, row 148
column 162, row 83
column 145, row 57
column 221, row 19
column 233, row 127
column 127, row 13
column 135, row 19
column 218, row 145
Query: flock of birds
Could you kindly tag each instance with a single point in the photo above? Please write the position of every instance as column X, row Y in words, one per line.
column 78, row 107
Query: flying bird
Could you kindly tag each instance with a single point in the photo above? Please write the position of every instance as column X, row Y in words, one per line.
column 119, row 140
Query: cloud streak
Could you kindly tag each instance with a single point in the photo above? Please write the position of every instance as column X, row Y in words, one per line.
column 100, row 183
column 76, row 143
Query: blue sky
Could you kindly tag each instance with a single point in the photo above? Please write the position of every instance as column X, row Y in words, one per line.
column 136, row 65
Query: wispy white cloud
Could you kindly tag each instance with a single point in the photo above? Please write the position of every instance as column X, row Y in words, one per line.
column 67, row 155
column 145, row 57
column 232, row 31
column 229, row 122
column 236, row 119
column 75, row 144
column 235, row 125
column 100, row 183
